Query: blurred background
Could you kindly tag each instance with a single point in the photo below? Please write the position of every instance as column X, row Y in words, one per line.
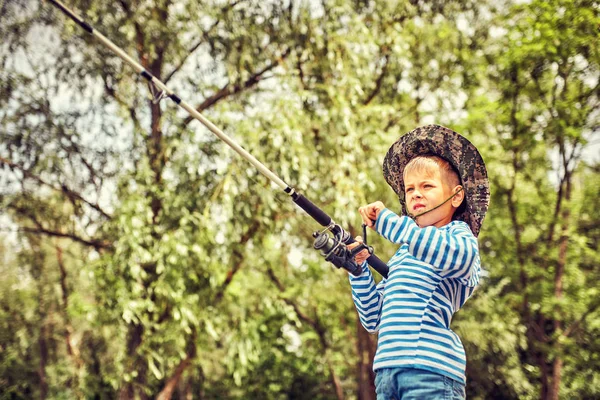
column 141, row 258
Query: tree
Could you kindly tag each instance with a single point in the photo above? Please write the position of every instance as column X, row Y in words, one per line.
column 542, row 107
column 162, row 265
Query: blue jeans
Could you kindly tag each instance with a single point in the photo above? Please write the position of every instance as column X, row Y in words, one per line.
column 416, row 384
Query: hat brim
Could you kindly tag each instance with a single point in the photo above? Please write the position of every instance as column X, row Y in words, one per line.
column 462, row 154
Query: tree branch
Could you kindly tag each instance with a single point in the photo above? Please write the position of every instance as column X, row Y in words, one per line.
column 167, row 391
column 379, row 81
column 575, row 325
column 63, row 189
column 112, row 93
column 303, row 316
column 237, row 260
column 229, row 90
column 205, row 34
column 97, row 244
column 188, row 54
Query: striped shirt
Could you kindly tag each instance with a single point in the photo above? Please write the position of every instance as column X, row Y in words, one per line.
column 430, row 277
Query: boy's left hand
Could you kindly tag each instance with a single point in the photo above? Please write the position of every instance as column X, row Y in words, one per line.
column 370, row 212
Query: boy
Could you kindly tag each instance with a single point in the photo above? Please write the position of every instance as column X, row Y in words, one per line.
column 442, row 185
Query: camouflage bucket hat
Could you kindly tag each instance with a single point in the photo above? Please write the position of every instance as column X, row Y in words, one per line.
column 464, row 157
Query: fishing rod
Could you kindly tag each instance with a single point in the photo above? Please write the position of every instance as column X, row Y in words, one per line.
column 333, row 249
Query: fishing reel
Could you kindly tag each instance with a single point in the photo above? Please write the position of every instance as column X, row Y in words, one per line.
column 335, row 249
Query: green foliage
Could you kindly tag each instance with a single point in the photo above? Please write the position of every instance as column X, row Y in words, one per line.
column 147, row 252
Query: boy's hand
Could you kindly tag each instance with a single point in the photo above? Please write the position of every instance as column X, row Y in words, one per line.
column 363, row 254
column 370, row 212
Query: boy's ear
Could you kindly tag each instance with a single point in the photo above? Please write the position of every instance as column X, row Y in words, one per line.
column 458, row 197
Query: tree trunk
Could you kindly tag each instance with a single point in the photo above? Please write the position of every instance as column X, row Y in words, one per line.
column 557, row 364
column 71, row 349
column 366, row 345
column 339, row 392
column 43, row 345
column 42, row 340
column 128, row 391
column 171, row 384
column 155, row 150
column 175, row 378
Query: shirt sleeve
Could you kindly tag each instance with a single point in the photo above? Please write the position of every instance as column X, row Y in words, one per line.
column 368, row 298
column 453, row 252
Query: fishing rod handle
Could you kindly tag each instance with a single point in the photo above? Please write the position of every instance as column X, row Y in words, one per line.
column 378, row 265
column 325, row 220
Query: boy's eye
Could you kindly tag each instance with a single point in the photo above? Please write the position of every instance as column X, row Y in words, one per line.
column 408, row 190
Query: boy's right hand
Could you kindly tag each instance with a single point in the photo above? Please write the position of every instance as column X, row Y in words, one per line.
column 362, row 255
column 370, row 212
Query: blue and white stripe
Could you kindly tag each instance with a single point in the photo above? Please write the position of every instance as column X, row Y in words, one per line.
column 430, row 277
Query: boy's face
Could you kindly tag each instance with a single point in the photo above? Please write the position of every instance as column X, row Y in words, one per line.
column 425, row 190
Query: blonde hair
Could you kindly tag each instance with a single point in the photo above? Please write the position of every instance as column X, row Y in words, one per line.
column 429, row 164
